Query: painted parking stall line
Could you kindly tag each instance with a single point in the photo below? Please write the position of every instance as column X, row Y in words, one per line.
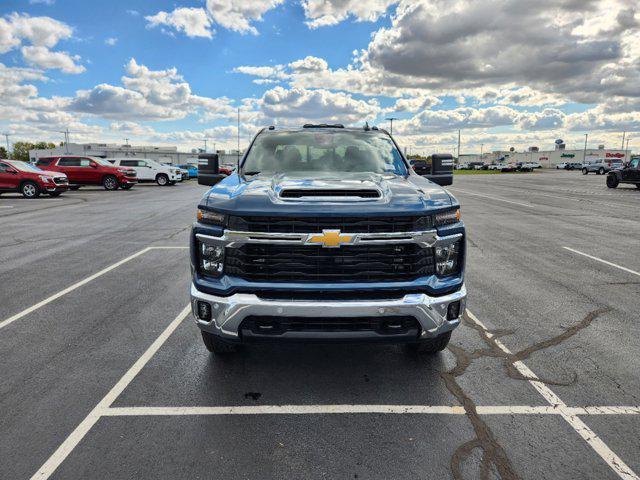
column 90, row 420
column 581, row 428
column 491, row 197
column 611, row 264
column 79, row 284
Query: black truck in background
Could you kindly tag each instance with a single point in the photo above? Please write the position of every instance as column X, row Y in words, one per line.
column 438, row 169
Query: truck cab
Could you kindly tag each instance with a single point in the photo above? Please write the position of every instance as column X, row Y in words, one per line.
column 326, row 233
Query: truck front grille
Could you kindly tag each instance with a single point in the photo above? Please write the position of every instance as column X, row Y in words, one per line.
column 394, row 325
column 352, row 263
column 317, row 224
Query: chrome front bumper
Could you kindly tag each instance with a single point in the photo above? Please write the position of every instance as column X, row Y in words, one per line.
column 229, row 312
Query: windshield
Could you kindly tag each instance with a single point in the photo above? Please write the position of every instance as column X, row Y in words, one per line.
column 102, row 162
column 324, row 151
column 24, row 166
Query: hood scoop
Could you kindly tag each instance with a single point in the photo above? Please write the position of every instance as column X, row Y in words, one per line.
column 330, row 193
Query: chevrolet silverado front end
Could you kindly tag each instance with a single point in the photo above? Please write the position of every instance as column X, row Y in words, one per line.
column 326, row 234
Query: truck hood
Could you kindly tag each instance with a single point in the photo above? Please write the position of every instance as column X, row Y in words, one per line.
column 263, row 194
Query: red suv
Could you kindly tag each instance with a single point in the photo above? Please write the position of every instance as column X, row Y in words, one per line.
column 90, row 171
column 17, row 176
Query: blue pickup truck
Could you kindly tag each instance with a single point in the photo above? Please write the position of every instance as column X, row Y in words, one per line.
column 325, row 234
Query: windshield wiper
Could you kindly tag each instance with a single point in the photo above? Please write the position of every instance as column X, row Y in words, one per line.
column 252, row 173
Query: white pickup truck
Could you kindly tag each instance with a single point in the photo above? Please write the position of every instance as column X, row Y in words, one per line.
column 150, row 170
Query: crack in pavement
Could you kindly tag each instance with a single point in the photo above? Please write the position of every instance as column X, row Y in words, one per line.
column 494, row 457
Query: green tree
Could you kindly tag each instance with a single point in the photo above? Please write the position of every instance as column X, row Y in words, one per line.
column 21, row 151
column 3, row 153
column 44, row 145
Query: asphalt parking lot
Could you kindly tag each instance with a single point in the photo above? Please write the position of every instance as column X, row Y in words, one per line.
column 104, row 374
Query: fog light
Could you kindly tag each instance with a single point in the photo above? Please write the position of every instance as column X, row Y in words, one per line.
column 204, row 311
column 453, row 310
column 447, row 258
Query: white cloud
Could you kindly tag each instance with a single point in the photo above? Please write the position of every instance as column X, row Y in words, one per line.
column 38, row 31
column 131, row 128
column 111, row 41
column 295, row 106
column 321, row 13
column 42, row 2
column 272, row 72
column 42, row 57
column 415, row 104
column 309, row 64
column 194, row 22
column 239, row 15
column 450, row 120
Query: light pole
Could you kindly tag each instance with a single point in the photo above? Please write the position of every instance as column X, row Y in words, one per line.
column 481, row 152
column 391, row 119
column 6, row 135
column 205, row 145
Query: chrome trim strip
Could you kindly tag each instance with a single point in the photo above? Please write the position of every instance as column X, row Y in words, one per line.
column 230, row 238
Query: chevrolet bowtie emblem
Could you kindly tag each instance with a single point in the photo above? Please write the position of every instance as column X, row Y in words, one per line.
column 330, row 239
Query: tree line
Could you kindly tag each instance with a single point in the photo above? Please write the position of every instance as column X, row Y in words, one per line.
column 21, row 150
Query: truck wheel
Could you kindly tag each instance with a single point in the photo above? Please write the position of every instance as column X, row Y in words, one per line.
column 612, row 181
column 110, row 182
column 216, row 345
column 30, row 190
column 431, row 346
column 585, row 171
column 162, row 179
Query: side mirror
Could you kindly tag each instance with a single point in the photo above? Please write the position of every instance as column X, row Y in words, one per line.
column 209, row 169
column 93, row 165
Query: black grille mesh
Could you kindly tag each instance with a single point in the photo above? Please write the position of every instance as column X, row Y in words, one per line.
column 353, row 263
column 317, row 224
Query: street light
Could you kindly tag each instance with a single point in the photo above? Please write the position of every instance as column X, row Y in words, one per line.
column 391, row 119
column 584, row 154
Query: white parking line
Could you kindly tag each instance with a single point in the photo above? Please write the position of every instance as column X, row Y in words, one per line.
column 353, row 409
column 581, row 428
column 90, row 420
column 625, row 269
column 77, row 285
column 499, row 199
column 6, row 206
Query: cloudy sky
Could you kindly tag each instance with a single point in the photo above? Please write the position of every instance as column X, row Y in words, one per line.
column 506, row 72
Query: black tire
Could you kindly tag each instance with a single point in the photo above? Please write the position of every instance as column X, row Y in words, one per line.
column 55, row 194
column 162, row 179
column 612, row 181
column 30, row 190
column 431, row 346
column 128, row 186
column 585, row 171
column 216, row 345
column 109, row 182
column 75, row 187
column 601, row 171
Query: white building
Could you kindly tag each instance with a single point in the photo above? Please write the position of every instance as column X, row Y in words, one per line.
column 159, row 154
column 549, row 158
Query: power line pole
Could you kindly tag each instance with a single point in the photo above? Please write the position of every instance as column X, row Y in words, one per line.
column 126, row 142
column 391, row 119
column 6, row 136
column 205, row 145
column 458, row 145
column 584, row 154
column 238, row 136
column 623, row 135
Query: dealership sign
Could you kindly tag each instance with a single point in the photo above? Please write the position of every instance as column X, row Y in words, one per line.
column 615, row 155
column 567, row 155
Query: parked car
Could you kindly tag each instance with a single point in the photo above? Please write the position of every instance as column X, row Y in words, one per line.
column 601, row 166
column 523, row 167
column 573, row 166
column 82, row 170
column 192, row 170
column 627, row 174
column 184, row 174
column 352, row 245
column 562, row 166
column 149, row 170
column 535, row 164
column 421, row 167
column 226, row 170
column 31, row 181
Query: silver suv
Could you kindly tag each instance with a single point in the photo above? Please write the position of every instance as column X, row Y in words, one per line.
column 601, row 166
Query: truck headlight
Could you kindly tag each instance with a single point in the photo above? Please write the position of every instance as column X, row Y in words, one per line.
column 211, row 259
column 447, row 218
column 448, row 258
column 212, row 218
